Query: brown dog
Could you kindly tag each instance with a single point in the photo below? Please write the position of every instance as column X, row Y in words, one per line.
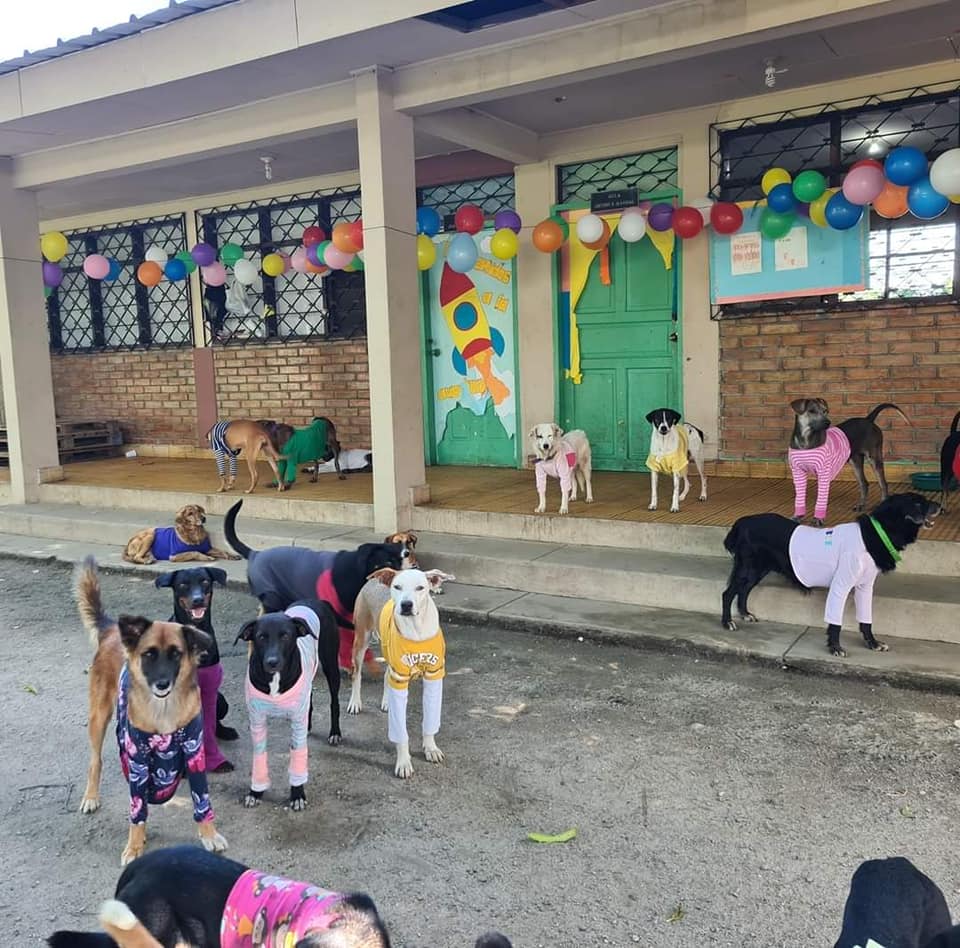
column 408, row 545
column 229, row 438
column 148, row 671
column 187, row 540
column 281, row 433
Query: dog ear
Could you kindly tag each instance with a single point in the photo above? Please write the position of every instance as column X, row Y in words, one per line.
column 132, row 629
column 166, row 580
column 384, row 576
column 557, row 431
column 436, row 578
column 799, row 405
column 302, row 628
column 197, row 640
column 532, row 433
column 216, row 575
column 651, row 414
column 411, row 539
column 246, row 632
column 673, row 416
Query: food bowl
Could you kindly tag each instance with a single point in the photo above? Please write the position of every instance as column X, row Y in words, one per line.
column 926, row 480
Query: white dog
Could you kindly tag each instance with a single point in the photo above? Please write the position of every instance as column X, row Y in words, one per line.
column 672, row 447
column 565, row 456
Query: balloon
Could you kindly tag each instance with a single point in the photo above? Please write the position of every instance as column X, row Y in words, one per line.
column 809, row 185
column 54, row 246
column 462, row 253
column 312, row 235
column 548, row 236
column 356, row 265
column 230, row 254
column 841, row 214
column 632, row 226
column 660, row 217
column 273, row 265
column 149, row 273
column 342, row 239
column 905, row 165
column 48, row 292
column 774, row 224
column 186, row 258
column 156, row 255
column 803, row 210
column 925, row 202
column 687, row 222
column 589, row 228
column 867, row 163
column 52, row 274
column 726, row 217
column 175, row 270
column 245, row 272
column 96, row 266
column 863, row 185
column 945, row 172
column 561, row 222
column 428, row 221
column 115, row 271
column 426, row 252
column 214, row 274
column 204, row 254
column 603, row 239
column 299, row 260
column 315, row 253
column 507, row 219
column 818, row 208
column 781, row 199
column 355, row 229
column 504, row 244
column 335, row 258
column 774, row 177
column 891, row 202
column 468, row 219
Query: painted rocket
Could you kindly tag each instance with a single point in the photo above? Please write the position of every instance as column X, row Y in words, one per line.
column 474, row 341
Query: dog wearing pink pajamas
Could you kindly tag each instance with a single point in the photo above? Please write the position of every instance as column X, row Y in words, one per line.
column 565, row 456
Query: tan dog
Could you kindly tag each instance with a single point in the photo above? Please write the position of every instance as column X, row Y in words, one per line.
column 229, row 438
column 187, row 540
column 408, row 545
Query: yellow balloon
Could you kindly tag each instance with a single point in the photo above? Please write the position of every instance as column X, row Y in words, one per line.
column 273, row 265
column 426, row 252
column 504, row 244
column 53, row 246
column 818, row 208
column 774, row 177
column 954, row 198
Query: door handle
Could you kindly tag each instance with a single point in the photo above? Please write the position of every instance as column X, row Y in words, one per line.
column 673, row 337
column 621, row 422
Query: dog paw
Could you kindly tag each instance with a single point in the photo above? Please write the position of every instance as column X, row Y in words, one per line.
column 384, row 707
column 251, row 800
column 652, row 507
column 564, row 511
column 730, row 625
column 540, row 508
column 433, row 754
column 879, row 646
column 702, row 498
column 129, row 854
column 818, row 521
column 404, row 769
column 674, row 509
column 298, row 805
column 335, row 740
column 227, row 733
column 797, row 518
column 837, row 652
column 354, row 707
column 214, row 843
column 748, row 617
column 89, row 804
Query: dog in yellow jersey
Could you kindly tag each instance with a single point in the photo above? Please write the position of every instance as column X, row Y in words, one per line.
column 413, row 647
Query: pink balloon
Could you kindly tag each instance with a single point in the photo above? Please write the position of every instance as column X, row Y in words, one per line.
column 285, row 257
column 863, row 184
column 96, row 266
column 335, row 258
column 298, row 260
column 215, row 274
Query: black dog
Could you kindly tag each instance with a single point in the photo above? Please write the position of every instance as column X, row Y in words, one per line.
column 284, row 649
column 849, row 556
column 949, row 462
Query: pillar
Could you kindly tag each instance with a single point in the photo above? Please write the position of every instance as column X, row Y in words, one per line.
column 388, row 190
column 24, row 345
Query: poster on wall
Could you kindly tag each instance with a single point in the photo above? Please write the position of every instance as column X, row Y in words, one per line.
column 471, row 360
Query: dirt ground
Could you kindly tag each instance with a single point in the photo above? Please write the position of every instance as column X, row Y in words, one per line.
column 715, row 804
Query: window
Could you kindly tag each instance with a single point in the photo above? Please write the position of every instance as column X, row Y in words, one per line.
column 909, row 259
column 87, row 315
column 489, row 194
column 646, row 171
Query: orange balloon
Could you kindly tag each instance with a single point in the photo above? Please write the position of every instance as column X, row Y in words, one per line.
column 149, row 273
column 603, row 241
column 313, row 268
column 891, row 203
column 548, row 236
column 342, row 238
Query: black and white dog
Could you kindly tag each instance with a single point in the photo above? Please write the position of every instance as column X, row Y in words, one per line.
column 840, row 559
column 672, row 447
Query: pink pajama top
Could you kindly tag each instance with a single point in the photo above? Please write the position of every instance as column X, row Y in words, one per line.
column 561, row 465
column 824, row 463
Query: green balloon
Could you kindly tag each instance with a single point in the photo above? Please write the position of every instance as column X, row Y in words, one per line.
column 808, row 186
column 774, row 225
column 188, row 261
column 230, row 254
column 48, row 291
column 562, row 224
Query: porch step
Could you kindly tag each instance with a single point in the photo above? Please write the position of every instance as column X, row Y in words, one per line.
column 910, row 605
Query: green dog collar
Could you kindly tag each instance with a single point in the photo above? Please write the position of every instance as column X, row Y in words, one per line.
column 891, row 549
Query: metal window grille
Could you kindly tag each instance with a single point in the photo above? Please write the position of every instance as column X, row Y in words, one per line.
column 295, row 305
column 489, row 194
column 89, row 315
column 909, row 259
column 647, row 171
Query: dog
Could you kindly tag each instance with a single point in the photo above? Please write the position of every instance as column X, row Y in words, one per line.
column 950, row 462
column 148, row 671
column 280, row 435
column 819, row 449
column 284, row 651
column 229, row 438
column 192, row 605
column 850, row 556
column 566, row 456
column 282, row 575
column 354, row 460
column 370, row 603
column 187, row 540
column 672, row 447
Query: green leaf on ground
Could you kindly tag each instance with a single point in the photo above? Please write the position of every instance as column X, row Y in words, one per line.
column 558, row 838
column 30, row 690
column 678, row 914
column 907, row 811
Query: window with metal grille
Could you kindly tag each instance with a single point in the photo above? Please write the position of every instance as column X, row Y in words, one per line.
column 647, row 171
column 294, row 305
column 910, row 259
column 489, row 194
column 87, row 315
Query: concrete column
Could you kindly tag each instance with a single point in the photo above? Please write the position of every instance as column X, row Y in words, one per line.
column 24, row 345
column 387, row 185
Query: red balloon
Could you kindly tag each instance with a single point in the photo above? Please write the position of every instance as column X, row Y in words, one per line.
column 687, row 222
column 468, row 219
column 867, row 162
column 313, row 235
column 726, row 217
column 356, row 234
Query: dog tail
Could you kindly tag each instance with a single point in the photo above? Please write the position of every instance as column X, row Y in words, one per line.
column 872, row 417
column 81, row 940
column 86, row 585
column 954, row 423
column 229, row 531
column 731, row 539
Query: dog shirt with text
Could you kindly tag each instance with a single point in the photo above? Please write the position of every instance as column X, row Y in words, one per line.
column 167, row 544
column 274, row 912
column 676, row 462
column 836, row 559
column 561, row 465
column 824, row 463
column 293, row 705
column 407, row 659
column 154, row 764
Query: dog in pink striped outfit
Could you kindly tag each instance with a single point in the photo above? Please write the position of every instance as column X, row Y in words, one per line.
column 566, row 456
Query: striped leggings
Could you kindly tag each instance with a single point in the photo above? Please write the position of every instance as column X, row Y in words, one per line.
column 221, row 451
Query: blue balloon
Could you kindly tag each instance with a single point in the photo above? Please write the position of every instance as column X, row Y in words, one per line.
column 114, row 272
column 781, row 199
column 175, row 269
column 905, row 166
column 428, row 221
column 841, row 214
column 462, row 253
column 924, row 202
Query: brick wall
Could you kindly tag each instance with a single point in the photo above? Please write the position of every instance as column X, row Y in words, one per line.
column 909, row 356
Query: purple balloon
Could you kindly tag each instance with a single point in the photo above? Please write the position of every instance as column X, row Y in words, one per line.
column 314, row 257
column 509, row 219
column 203, row 255
column 803, row 210
column 52, row 274
column 660, row 217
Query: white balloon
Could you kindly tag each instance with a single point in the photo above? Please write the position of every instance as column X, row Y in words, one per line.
column 945, row 173
column 245, row 272
column 629, row 211
column 704, row 205
column 156, row 254
column 590, row 229
column 632, row 227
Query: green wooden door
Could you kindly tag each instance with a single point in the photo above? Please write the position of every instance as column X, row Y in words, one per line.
column 629, row 355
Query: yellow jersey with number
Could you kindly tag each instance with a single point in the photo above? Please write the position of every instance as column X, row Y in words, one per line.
column 406, row 659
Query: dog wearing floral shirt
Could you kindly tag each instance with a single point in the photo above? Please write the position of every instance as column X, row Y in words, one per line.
column 566, row 456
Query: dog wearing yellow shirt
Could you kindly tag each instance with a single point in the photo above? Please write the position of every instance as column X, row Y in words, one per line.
column 396, row 606
column 672, row 447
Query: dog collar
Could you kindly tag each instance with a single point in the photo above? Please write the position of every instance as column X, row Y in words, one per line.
column 891, row 549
